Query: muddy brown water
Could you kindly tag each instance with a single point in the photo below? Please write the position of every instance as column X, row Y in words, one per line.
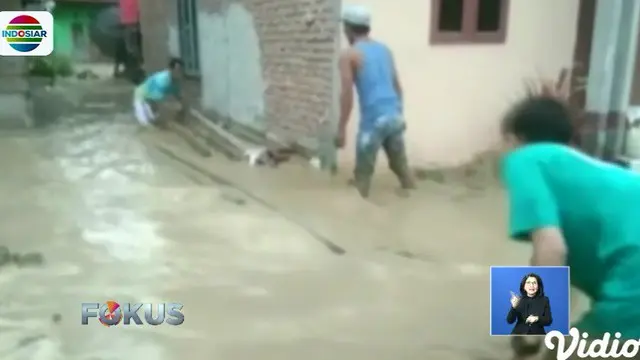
column 244, row 249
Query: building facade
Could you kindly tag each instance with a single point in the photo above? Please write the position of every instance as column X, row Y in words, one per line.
column 271, row 64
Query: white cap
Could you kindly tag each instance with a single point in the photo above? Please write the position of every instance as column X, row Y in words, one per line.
column 357, row 15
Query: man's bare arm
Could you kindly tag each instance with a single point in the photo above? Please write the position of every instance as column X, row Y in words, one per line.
column 549, row 248
column 396, row 82
column 346, row 65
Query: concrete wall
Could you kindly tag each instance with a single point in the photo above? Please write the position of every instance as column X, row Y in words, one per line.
column 156, row 17
column 455, row 94
column 611, row 76
column 265, row 63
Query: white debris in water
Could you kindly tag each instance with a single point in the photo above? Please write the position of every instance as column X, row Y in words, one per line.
column 316, row 163
column 256, row 156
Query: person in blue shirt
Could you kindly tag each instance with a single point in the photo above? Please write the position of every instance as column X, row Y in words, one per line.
column 575, row 210
column 157, row 88
column 368, row 64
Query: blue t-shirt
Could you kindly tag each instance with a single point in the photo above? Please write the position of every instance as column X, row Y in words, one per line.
column 597, row 207
column 157, row 87
column 374, row 82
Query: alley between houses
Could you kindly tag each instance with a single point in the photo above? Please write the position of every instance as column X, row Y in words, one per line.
column 284, row 263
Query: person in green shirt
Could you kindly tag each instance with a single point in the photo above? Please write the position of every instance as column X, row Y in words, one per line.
column 575, row 210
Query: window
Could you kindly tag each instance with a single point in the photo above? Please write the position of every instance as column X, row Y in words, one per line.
column 188, row 29
column 469, row 21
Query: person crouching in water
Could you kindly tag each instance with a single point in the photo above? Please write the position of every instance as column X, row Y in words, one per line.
column 575, row 210
column 157, row 88
column 369, row 65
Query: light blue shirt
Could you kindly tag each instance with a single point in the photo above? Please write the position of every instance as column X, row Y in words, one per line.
column 157, row 87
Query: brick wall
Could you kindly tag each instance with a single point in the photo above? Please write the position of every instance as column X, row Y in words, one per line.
column 297, row 42
column 297, row 39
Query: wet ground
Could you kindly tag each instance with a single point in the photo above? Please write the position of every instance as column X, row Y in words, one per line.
column 279, row 264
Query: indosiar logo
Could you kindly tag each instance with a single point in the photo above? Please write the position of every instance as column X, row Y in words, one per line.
column 28, row 33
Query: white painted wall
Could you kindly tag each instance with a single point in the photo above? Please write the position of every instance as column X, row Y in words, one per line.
column 455, row 94
column 173, row 41
column 230, row 61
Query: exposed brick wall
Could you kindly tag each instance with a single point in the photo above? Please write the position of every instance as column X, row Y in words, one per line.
column 297, row 41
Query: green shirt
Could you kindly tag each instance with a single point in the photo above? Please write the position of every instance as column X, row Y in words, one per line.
column 597, row 207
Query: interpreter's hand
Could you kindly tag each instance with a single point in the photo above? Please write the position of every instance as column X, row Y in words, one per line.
column 531, row 319
column 515, row 300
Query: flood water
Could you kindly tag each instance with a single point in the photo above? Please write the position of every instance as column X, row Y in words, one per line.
column 116, row 218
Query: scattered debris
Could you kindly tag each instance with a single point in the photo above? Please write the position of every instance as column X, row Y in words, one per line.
column 87, row 75
column 28, row 259
column 234, row 199
column 256, row 157
column 267, row 157
column 20, row 260
column 271, row 155
column 479, row 173
column 316, row 163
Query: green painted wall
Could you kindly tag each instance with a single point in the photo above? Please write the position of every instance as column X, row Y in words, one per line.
column 71, row 29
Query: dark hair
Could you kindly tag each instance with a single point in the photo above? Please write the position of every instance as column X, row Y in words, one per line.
column 358, row 29
column 539, row 292
column 175, row 62
column 540, row 119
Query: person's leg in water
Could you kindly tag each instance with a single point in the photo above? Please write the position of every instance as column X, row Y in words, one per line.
column 388, row 134
column 367, row 147
column 395, row 151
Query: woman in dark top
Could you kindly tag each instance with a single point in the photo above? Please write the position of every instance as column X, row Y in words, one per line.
column 531, row 310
